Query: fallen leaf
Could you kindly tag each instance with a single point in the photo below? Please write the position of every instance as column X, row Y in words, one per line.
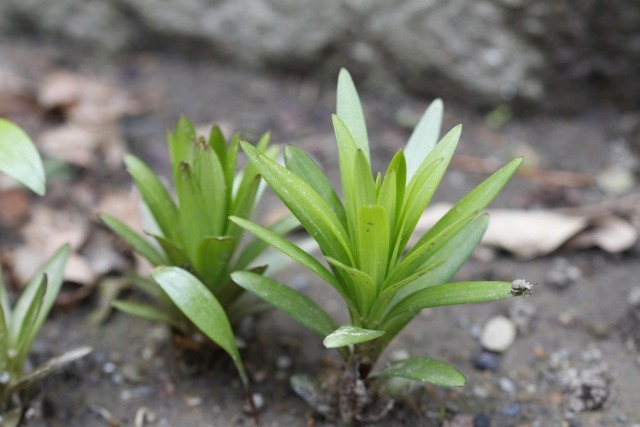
column 610, row 233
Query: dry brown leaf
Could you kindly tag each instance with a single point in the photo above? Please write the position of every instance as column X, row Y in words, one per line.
column 72, row 143
column 529, row 234
column 610, row 233
column 60, row 89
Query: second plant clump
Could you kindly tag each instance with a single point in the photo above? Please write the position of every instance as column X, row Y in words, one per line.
column 364, row 240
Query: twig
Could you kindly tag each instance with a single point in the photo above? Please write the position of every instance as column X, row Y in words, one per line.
column 551, row 178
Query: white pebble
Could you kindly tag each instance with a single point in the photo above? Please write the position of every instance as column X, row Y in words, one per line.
column 498, row 334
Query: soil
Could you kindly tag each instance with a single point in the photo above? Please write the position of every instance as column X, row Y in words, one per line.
column 583, row 327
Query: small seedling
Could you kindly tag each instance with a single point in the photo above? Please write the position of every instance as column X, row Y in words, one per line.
column 196, row 247
column 364, row 239
column 20, row 324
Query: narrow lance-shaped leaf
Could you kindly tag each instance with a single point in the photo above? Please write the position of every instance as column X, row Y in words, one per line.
column 350, row 335
column 310, row 209
column 211, row 181
column 452, row 294
column 257, row 246
column 362, row 289
column 347, row 150
column 137, row 242
column 148, row 312
column 19, row 158
column 179, row 143
column 299, row 163
column 20, row 333
column 201, row 307
column 294, row 252
column 424, row 137
column 425, row 370
column 373, row 242
column 458, row 216
column 212, row 260
column 54, row 270
column 155, row 195
column 300, row 307
column 349, row 109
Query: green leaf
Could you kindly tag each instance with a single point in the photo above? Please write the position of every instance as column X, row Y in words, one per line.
column 373, row 242
column 20, row 332
column 174, row 253
column 300, row 307
column 54, row 270
column 201, row 307
column 19, row 158
column 257, row 246
column 425, row 370
column 148, row 312
column 50, row 366
column 362, row 289
column 311, row 210
column 211, row 185
column 424, row 137
column 349, row 109
column 299, row 163
column 137, row 242
column 294, row 252
column 192, row 212
column 4, row 299
column 347, row 150
column 451, row 294
column 155, row 196
column 350, row 335
column 449, row 257
column 212, row 260
column 179, row 144
column 458, row 216
column 218, row 143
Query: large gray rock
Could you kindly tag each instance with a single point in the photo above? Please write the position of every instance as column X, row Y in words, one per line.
column 485, row 50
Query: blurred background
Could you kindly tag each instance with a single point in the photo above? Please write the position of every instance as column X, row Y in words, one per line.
column 555, row 81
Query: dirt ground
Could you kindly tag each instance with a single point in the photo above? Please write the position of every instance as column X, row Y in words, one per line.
column 575, row 350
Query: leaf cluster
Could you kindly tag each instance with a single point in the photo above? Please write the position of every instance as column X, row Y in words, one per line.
column 21, row 323
column 364, row 237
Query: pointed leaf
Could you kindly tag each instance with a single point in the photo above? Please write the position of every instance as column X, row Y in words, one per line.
column 424, row 137
column 179, row 143
column 211, row 186
column 349, row 109
column 452, row 294
column 293, row 251
column 54, row 270
column 137, row 242
column 362, row 289
column 350, row 335
column 201, row 307
column 311, row 210
column 302, row 165
column 257, row 246
column 19, row 158
column 373, row 242
column 155, row 195
column 175, row 255
column 212, row 260
column 448, row 259
column 425, row 370
column 50, row 366
column 458, row 216
column 300, row 307
column 20, row 333
column 148, row 312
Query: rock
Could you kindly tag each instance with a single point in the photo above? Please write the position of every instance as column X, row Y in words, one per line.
column 489, row 51
column 498, row 334
column 482, row 420
column 486, row 361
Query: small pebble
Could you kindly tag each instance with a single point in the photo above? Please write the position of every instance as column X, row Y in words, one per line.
column 506, row 385
column 481, row 420
column 258, row 401
column 479, row 391
column 634, row 297
column 498, row 334
column 460, row 420
column 399, row 354
column 193, row 401
column 109, row 368
column 284, row 362
column 511, row 409
column 486, row 361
